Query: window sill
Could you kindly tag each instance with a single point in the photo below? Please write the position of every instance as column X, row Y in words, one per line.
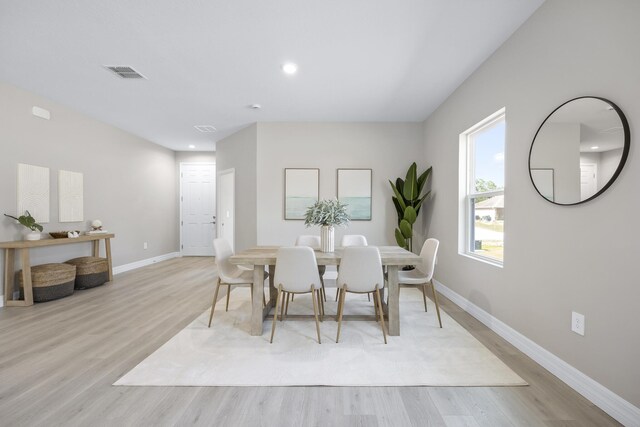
column 485, row 260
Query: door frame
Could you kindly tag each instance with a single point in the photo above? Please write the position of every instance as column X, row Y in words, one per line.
column 180, row 201
column 231, row 171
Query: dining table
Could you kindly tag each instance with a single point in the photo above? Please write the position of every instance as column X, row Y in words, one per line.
column 392, row 257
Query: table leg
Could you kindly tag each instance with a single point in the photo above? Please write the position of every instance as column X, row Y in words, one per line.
column 107, row 247
column 9, row 274
column 258, row 291
column 95, row 250
column 26, row 277
column 393, row 300
column 273, row 292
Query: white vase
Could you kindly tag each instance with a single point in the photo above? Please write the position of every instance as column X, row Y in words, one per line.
column 327, row 238
column 32, row 235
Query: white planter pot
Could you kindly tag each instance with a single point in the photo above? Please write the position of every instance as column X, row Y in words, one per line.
column 327, row 239
column 32, row 235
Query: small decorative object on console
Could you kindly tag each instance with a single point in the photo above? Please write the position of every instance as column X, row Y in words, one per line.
column 28, row 221
column 96, row 228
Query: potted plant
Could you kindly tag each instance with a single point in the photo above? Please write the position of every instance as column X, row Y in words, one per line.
column 327, row 214
column 408, row 200
column 28, row 221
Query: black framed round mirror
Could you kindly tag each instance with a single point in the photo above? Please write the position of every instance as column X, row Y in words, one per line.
column 579, row 150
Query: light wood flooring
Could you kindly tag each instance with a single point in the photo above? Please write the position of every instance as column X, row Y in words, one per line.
column 59, row 359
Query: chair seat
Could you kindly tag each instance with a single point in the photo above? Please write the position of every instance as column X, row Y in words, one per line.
column 412, row 277
column 245, row 277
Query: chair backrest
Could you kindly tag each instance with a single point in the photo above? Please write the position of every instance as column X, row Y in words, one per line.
column 353, row 240
column 226, row 270
column 310, row 241
column 361, row 269
column 428, row 254
column 296, row 269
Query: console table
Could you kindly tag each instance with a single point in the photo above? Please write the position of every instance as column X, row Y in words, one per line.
column 24, row 246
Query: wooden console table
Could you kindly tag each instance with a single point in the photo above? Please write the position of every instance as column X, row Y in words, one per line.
column 25, row 245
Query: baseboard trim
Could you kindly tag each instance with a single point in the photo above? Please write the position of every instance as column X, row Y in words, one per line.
column 144, row 262
column 614, row 405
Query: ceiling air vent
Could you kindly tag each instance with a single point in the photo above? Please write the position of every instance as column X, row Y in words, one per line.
column 206, row 128
column 125, row 72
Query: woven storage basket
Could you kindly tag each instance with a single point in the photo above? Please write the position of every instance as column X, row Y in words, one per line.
column 50, row 281
column 91, row 271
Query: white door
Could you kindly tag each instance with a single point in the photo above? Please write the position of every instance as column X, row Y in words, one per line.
column 226, row 205
column 198, row 208
column 588, row 180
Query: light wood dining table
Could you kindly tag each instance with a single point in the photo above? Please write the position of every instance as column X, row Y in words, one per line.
column 393, row 257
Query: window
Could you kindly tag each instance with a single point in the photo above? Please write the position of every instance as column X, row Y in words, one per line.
column 482, row 189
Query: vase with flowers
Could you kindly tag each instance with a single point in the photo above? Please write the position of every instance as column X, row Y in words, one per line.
column 328, row 214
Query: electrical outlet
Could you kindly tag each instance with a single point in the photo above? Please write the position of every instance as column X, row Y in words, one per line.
column 577, row 323
column 145, row 246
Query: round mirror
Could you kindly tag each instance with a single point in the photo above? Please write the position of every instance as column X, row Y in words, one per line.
column 579, row 150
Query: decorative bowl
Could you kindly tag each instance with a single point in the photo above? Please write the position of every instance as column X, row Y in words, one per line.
column 60, row 234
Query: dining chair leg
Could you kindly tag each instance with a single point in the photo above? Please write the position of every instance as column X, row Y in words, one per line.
column 424, row 295
column 435, row 300
column 324, row 293
column 289, row 296
column 369, row 298
column 315, row 311
column 275, row 315
column 384, row 333
column 215, row 298
column 340, row 302
column 337, row 293
column 320, row 304
column 318, row 296
column 264, row 300
column 343, row 292
column 285, row 299
column 226, row 308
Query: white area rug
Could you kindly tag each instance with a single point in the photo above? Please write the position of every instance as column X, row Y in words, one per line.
column 226, row 355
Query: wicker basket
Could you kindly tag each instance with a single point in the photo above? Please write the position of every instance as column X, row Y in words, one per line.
column 90, row 271
column 50, row 281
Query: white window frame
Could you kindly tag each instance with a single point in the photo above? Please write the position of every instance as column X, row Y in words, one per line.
column 467, row 191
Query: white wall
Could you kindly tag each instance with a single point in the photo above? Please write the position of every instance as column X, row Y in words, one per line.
column 387, row 148
column 557, row 259
column 129, row 183
column 238, row 151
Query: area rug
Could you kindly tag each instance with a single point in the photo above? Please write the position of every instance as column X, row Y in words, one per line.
column 226, row 355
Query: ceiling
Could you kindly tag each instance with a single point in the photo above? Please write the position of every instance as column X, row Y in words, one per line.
column 206, row 61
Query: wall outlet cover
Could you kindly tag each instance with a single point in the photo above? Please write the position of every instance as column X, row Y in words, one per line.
column 577, row 323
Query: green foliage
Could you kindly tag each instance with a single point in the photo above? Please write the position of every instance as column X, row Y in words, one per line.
column 484, row 186
column 27, row 220
column 400, row 238
column 408, row 199
column 327, row 212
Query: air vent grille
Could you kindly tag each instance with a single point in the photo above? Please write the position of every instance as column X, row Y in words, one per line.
column 125, row 72
column 206, row 128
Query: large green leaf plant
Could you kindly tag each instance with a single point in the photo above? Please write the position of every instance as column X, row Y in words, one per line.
column 408, row 199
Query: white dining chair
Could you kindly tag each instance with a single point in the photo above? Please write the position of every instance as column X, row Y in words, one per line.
column 361, row 272
column 422, row 275
column 229, row 274
column 352, row 240
column 313, row 242
column 297, row 273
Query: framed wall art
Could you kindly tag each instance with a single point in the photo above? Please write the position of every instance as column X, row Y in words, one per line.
column 354, row 189
column 301, row 190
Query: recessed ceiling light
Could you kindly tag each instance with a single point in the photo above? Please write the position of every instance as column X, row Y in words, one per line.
column 290, row 68
column 595, row 147
column 192, row 146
